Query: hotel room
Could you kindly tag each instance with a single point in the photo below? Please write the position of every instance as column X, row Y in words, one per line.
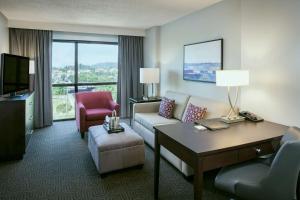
column 150, row 99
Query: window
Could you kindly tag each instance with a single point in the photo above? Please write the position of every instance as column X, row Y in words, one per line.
column 81, row 66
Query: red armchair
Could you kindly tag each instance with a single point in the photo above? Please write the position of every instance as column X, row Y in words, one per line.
column 91, row 109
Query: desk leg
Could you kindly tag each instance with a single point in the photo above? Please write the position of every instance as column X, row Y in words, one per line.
column 198, row 180
column 156, row 165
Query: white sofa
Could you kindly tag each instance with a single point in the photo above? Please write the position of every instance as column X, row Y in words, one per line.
column 145, row 117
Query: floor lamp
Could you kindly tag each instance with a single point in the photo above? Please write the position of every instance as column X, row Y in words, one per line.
column 229, row 79
column 149, row 76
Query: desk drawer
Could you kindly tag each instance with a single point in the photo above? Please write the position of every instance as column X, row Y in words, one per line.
column 255, row 151
column 220, row 160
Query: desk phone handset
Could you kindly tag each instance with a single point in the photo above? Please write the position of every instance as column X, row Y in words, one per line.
column 250, row 116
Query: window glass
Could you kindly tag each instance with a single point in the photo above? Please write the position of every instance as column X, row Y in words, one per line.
column 63, row 62
column 97, row 63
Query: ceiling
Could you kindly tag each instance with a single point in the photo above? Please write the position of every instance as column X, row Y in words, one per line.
column 139, row 14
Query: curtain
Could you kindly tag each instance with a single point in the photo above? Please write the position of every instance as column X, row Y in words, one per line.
column 130, row 61
column 36, row 44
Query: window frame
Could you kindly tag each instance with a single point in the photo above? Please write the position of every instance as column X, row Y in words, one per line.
column 76, row 84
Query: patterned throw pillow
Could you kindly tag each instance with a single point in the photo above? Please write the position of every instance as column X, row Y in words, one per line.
column 194, row 113
column 166, row 108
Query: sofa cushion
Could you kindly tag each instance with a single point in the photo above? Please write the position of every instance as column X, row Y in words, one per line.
column 152, row 119
column 180, row 103
column 166, row 108
column 215, row 109
column 97, row 114
column 194, row 113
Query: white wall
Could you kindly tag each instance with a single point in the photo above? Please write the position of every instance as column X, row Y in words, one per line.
column 152, row 54
column 271, row 51
column 221, row 20
column 152, row 47
column 3, row 34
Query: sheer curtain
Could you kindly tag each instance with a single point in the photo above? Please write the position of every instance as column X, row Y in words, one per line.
column 130, row 61
column 36, row 44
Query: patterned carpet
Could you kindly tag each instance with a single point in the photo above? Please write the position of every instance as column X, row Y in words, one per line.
column 58, row 165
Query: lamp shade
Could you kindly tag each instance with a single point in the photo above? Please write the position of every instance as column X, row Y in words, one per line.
column 31, row 67
column 149, row 75
column 232, row 77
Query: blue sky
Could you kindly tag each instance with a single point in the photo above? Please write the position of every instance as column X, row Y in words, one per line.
column 63, row 53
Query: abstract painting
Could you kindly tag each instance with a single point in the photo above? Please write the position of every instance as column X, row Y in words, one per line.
column 201, row 60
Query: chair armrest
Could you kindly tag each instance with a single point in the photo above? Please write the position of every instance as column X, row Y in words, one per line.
column 81, row 110
column 114, row 106
column 80, row 116
column 151, row 107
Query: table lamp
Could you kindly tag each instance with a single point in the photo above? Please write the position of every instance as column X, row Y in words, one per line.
column 229, row 79
column 31, row 67
column 149, row 76
column 31, row 74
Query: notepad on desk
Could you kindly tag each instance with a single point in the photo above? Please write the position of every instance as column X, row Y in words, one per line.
column 212, row 124
column 200, row 127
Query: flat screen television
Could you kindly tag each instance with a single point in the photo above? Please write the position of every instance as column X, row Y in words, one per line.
column 15, row 74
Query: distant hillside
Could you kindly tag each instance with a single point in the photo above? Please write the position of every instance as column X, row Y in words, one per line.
column 98, row 65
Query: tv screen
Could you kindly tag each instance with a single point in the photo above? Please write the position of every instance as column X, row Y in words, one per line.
column 15, row 73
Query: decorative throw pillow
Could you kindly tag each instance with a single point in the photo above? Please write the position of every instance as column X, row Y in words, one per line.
column 166, row 108
column 194, row 113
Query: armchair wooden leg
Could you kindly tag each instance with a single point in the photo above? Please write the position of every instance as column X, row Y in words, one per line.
column 82, row 135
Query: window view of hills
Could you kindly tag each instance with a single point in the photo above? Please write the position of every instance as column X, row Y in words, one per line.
column 91, row 70
column 100, row 72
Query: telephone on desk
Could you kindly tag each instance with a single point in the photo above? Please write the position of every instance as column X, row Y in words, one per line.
column 250, row 116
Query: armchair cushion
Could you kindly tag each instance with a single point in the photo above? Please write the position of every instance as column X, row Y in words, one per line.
column 97, row 114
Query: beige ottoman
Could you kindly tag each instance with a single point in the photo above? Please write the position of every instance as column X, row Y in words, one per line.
column 112, row 152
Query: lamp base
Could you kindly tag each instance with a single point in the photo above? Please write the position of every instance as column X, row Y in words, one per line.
column 232, row 119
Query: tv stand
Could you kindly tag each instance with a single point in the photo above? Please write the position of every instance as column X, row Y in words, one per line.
column 16, row 122
column 14, row 95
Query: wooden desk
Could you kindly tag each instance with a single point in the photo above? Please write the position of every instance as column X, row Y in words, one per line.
column 206, row 150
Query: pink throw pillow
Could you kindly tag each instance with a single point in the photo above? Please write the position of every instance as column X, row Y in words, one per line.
column 194, row 113
column 166, row 107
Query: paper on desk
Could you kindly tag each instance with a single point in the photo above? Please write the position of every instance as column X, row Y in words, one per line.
column 199, row 127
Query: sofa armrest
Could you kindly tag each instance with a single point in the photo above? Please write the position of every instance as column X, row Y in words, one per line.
column 151, row 107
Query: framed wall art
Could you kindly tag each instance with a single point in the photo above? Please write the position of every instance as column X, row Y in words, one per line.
column 202, row 59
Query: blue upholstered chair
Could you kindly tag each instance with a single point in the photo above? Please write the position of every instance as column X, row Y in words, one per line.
column 276, row 180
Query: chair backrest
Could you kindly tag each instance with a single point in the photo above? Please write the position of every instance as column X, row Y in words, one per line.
column 284, row 170
column 293, row 133
column 94, row 99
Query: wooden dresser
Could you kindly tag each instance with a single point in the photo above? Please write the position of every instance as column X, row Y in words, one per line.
column 16, row 125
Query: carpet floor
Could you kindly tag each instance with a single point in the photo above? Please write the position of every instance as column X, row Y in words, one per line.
column 58, row 165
